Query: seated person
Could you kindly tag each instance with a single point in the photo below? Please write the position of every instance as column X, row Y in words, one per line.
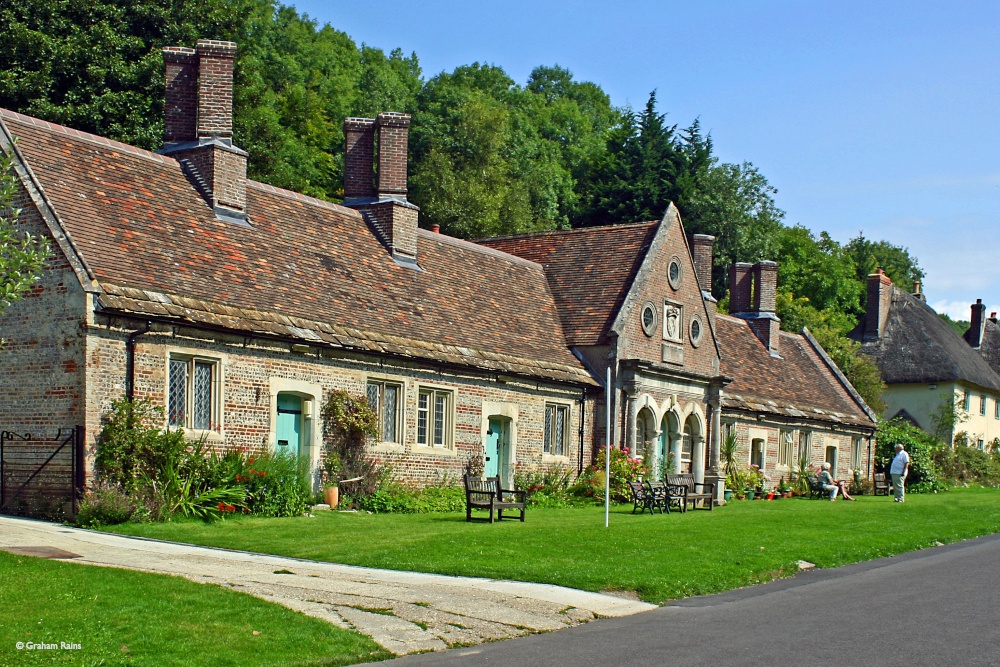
column 830, row 484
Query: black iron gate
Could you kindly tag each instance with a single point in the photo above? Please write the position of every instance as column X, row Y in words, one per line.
column 41, row 478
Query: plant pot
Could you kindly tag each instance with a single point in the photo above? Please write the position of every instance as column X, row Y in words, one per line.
column 331, row 496
column 728, row 495
column 770, row 495
column 786, row 494
column 750, row 495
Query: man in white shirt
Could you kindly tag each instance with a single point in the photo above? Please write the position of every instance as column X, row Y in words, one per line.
column 900, row 466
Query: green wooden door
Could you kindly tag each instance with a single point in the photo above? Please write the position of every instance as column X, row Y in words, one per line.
column 493, row 439
column 289, row 427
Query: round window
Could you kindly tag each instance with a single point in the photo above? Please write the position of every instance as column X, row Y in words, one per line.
column 648, row 318
column 674, row 274
column 696, row 331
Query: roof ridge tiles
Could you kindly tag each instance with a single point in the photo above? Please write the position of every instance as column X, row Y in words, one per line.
column 575, row 230
column 85, row 136
column 476, row 247
column 305, row 199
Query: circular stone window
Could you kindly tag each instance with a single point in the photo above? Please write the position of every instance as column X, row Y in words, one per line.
column 674, row 274
column 649, row 318
column 697, row 330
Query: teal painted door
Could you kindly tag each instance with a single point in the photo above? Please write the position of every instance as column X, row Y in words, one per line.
column 493, row 439
column 288, row 432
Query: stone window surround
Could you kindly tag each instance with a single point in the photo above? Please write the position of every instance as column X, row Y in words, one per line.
column 650, row 329
column 448, row 449
column 675, row 283
column 212, row 435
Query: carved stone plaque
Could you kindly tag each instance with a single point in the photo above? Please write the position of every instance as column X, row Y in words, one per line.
column 673, row 354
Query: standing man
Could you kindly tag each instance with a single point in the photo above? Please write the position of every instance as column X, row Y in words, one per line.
column 899, row 468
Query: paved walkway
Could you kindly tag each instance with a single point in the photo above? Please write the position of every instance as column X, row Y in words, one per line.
column 405, row 612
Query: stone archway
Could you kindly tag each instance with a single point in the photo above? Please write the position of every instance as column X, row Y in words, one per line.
column 645, row 435
column 670, row 439
column 693, row 446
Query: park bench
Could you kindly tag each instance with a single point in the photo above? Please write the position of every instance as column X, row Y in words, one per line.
column 487, row 494
column 881, row 485
column 642, row 498
column 816, row 489
column 691, row 493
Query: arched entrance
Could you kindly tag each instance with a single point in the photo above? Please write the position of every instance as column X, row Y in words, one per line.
column 670, row 441
column 693, row 447
column 645, row 435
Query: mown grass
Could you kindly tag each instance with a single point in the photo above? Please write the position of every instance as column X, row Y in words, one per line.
column 133, row 618
column 658, row 557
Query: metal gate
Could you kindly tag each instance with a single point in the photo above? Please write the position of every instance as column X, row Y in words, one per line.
column 41, row 478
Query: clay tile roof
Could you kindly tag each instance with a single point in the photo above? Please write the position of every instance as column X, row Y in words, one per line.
column 918, row 347
column 141, row 226
column 590, row 271
column 799, row 384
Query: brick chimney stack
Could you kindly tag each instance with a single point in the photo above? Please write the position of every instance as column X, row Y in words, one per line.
column 198, row 127
column 978, row 327
column 359, row 160
column 701, row 253
column 740, row 287
column 380, row 195
column 877, row 308
column 764, row 322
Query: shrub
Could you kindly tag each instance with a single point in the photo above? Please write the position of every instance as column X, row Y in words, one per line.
column 349, row 424
column 105, row 505
column 968, row 464
column 548, row 487
column 273, row 485
column 623, row 470
column 132, row 448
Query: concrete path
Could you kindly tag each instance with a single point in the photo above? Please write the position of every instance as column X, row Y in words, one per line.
column 405, row 612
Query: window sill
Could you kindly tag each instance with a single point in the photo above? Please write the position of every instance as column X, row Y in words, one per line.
column 211, row 437
column 434, row 451
column 387, row 448
column 555, row 458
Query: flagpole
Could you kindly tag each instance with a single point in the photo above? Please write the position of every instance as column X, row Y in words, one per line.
column 607, row 449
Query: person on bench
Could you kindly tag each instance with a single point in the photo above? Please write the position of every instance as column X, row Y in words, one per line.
column 832, row 485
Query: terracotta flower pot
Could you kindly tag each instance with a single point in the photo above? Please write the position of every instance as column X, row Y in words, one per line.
column 331, row 496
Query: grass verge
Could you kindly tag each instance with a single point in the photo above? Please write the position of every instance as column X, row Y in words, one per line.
column 120, row 617
column 658, row 557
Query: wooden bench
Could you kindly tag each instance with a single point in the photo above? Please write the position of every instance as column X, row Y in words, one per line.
column 692, row 496
column 487, row 494
column 881, row 485
column 655, row 495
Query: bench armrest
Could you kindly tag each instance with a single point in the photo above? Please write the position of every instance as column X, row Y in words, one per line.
column 705, row 485
column 515, row 492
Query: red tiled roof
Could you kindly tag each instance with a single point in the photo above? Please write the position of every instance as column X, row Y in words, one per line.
column 798, row 384
column 139, row 223
column 590, row 270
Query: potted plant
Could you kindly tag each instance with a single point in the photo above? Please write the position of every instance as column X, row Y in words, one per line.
column 331, row 479
column 728, row 455
column 785, row 488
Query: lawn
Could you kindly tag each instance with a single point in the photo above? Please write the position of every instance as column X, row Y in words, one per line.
column 120, row 617
column 659, row 557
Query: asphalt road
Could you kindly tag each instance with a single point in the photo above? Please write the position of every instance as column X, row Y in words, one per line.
column 932, row 607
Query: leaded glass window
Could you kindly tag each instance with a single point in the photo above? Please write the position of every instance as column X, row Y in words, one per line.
column 384, row 400
column 177, row 393
column 556, row 422
column 191, row 393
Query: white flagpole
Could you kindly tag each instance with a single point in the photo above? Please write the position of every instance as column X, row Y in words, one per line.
column 607, row 450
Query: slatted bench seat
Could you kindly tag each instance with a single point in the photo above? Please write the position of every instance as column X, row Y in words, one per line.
column 487, row 494
column 692, row 495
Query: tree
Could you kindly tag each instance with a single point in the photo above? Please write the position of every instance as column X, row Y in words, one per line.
column 735, row 204
column 22, row 255
column 894, row 260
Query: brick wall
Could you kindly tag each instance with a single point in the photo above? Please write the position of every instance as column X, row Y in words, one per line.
column 396, row 222
column 181, row 99
column 42, row 360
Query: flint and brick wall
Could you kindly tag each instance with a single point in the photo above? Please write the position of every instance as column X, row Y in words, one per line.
column 42, row 359
column 248, row 368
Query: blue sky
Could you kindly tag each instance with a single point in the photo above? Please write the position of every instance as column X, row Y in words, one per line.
column 882, row 117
